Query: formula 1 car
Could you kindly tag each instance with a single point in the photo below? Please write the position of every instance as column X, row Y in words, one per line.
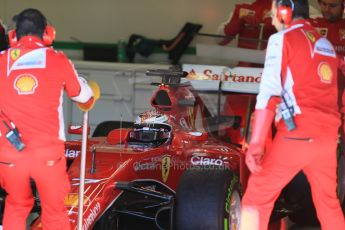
column 171, row 169
column 159, row 171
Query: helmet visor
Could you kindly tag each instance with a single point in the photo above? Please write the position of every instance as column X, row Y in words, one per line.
column 150, row 133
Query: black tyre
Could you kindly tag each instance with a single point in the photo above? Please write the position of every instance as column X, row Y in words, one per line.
column 208, row 199
column 105, row 127
column 298, row 194
column 2, row 203
column 341, row 174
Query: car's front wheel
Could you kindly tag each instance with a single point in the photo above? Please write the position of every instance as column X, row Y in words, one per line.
column 341, row 174
column 208, row 198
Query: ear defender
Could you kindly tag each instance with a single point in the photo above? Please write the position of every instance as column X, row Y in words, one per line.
column 48, row 36
column 12, row 37
column 284, row 11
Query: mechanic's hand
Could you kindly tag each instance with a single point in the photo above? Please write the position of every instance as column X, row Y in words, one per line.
column 96, row 90
column 254, row 157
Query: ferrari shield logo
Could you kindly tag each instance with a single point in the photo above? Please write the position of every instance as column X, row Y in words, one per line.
column 310, row 36
column 15, row 53
column 322, row 31
column 165, row 167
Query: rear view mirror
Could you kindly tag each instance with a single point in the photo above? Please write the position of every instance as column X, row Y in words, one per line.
column 77, row 129
column 195, row 136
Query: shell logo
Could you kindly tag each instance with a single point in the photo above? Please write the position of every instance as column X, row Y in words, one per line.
column 325, row 72
column 25, row 84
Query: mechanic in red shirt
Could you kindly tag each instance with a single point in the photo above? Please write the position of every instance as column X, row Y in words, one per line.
column 299, row 88
column 332, row 26
column 332, row 23
column 249, row 21
column 33, row 77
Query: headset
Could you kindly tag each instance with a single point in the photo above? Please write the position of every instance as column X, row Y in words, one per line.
column 284, row 11
column 48, row 36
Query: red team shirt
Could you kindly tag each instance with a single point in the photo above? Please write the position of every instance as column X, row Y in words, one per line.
column 261, row 11
column 262, row 29
column 333, row 31
column 308, row 74
column 305, row 65
column 32, row 81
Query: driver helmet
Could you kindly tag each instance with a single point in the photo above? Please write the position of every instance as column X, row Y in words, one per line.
column 151, row 126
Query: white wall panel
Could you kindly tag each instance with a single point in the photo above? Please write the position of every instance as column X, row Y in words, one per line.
column 125, row 91
column 111, row 20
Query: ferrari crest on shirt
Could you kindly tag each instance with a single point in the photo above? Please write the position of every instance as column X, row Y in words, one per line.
column 15, row 53
column 25, row 84
column 310, row 36
column 26, row 59
column 322, row 31
column 325, row 72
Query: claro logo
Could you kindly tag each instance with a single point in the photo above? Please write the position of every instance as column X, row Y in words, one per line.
column 71, row 153
column 198, row 160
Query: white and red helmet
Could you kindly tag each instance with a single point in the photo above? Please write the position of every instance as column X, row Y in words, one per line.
column 151, row 116
column 151, row 127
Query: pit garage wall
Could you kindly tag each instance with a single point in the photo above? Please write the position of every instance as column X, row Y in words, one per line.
column 126, row 91
column 107, row 21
